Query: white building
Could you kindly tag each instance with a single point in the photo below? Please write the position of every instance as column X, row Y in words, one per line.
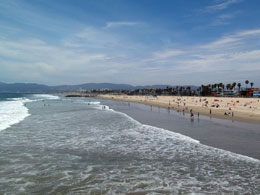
column 256, row 93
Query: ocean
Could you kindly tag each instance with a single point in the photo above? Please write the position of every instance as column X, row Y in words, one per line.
column 58, row 145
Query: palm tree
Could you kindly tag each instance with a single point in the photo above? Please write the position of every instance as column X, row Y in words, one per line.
column 228, row 86
column 239, row 85
column 251, row 84
column 222, row 85
column 181, row 89
column 246, row 82
column 234, row 85
column 214, row 86
column 188, row 88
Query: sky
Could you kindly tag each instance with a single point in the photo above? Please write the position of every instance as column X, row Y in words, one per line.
column 138, row 42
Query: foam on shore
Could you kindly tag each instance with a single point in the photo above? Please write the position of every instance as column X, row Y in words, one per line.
column 46, row 96
column 166, row 134
column 12, row 112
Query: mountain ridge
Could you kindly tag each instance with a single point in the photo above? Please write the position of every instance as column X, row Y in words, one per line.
column 41, row 88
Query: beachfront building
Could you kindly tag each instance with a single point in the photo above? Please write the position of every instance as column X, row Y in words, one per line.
column 249, row 92
column 256, row 94
column 228, row 93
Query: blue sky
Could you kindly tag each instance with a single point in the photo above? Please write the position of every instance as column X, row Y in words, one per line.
column 139, row 42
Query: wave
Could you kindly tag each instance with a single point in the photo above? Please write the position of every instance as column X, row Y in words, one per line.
column 163, row 131
column 13, row 111
column 99, row 106
column 92, row 103
column 46, row 97
column 165, row 134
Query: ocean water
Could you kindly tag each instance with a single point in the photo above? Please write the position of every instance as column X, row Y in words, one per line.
column 57, row 145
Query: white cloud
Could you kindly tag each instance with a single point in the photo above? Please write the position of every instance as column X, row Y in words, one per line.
column 45, row 67
column 223, row 5
column 88, row 57
column 254, row 32
column 25, row 57
column 224, row 41
column 223, row 19
column 119, row 24
column 233, row 41
column 230, row 58
column 167, row 54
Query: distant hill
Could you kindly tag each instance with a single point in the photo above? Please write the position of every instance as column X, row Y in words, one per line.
column 90, row 86
column 23, row 88
column 38, row 88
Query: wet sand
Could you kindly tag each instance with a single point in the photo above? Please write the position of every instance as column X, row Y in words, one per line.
column 238, row 137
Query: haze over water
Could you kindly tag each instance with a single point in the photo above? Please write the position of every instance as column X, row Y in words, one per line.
column 74, row 146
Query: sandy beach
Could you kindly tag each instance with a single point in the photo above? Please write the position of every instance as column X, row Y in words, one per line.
column 230, row 108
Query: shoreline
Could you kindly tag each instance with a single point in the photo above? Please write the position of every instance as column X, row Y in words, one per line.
column 237, row 137
column 189, row 104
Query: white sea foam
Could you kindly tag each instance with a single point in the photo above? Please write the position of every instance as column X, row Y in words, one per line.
column 164, row 134
column 92, row 103
column 46, row 96
column 12, row 112
column 99, row 106
column 16, row 99
column 113, row 152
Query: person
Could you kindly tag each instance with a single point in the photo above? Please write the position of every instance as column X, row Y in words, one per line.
column 210, row 111
column 191, row 115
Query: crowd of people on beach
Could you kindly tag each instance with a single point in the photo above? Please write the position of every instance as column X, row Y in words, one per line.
column 227, row 107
